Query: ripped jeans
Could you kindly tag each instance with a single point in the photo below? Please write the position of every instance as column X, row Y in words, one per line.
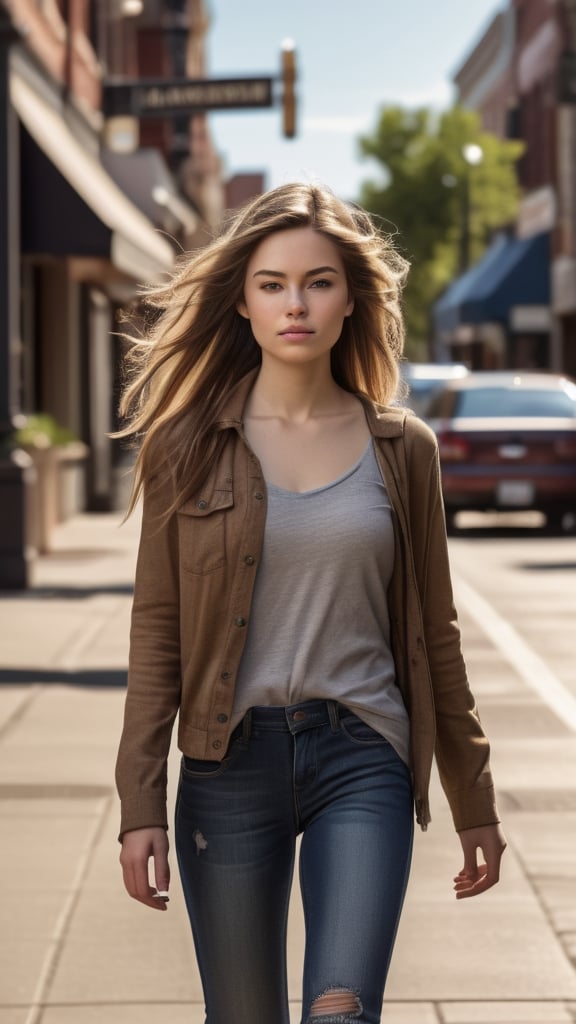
column 312, row 768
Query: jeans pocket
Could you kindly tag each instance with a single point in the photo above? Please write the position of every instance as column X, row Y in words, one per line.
column 196, row 768
column 360, row 732
column 193, row 767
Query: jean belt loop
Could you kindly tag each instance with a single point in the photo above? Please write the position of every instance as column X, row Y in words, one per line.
column 333, row 714
column 247, row 725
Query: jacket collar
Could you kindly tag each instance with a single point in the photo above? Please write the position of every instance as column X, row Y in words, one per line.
column 383, row 420
column 232, row 413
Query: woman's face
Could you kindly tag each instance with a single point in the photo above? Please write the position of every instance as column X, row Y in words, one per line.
column 296, row 295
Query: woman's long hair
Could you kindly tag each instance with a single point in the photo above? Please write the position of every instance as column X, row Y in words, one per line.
column 199, row 346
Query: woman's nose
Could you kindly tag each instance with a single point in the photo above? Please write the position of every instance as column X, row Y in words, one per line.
column 296, row 303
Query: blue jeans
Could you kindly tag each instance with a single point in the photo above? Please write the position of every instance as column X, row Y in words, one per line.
column 312, row 768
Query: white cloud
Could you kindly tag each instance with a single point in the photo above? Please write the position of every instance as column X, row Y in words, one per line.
column 438, row 94
column 338, row 125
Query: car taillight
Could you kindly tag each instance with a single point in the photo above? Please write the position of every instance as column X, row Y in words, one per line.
column 452, row 447
column 565, row 448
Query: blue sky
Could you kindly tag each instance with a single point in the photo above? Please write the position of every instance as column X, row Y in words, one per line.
column 354, row 56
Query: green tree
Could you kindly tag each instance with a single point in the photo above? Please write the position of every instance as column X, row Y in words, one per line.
column 428, row 193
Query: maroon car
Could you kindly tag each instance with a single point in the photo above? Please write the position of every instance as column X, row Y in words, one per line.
column 507, row 440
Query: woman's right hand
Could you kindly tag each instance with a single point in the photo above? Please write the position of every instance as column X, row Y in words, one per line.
column 138, row 846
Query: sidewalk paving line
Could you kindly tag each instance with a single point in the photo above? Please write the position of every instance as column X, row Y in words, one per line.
column 529, row 665
column 513, row 1012
column 58, row 938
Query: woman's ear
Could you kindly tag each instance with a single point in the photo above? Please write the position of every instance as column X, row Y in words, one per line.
column 349, row 307
column 242, row 308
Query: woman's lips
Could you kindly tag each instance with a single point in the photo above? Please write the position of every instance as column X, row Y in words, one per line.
column 295, row 333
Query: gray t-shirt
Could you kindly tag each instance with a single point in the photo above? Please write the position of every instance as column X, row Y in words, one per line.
column 319, row 626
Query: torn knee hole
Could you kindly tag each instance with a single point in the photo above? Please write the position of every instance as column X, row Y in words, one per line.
column 337, row 1001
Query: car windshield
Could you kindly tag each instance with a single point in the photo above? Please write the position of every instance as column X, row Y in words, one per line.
column 523, row 402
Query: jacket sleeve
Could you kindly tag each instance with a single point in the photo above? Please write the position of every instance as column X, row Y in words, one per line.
column 153, row 694
column 462, row 748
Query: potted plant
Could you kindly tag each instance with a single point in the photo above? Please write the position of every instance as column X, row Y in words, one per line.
column 58, row 456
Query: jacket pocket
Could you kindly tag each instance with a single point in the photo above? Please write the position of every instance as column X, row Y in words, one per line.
column 202, row 522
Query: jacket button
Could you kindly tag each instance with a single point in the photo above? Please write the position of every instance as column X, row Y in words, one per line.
column 222, row 718
column 259, row 496
column 217, row 744
column 202, row 504
column 224, row 675
column 249, row 560
column 240, row 621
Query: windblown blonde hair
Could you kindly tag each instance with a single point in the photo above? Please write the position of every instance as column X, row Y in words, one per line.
column 199, row 346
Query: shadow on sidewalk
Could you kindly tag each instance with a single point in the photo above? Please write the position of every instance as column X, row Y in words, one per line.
column 87, row 677
column 67, row 593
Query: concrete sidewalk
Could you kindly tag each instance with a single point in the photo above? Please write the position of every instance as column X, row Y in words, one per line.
column 74, row 949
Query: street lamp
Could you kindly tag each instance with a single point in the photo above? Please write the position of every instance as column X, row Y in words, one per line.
column 473, row 156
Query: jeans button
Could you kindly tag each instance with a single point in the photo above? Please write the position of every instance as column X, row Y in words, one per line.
column 299, row 716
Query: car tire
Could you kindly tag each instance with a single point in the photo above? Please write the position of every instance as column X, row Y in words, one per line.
column 561, row 520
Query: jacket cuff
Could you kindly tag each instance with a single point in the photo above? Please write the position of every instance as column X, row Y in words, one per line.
column 474, row 808
column 144, row 813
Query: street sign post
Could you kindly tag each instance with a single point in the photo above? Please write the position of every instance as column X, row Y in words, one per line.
column 288, row 94
column 176, row 97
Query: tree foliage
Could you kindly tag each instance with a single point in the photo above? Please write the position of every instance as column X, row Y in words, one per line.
column 422, row 192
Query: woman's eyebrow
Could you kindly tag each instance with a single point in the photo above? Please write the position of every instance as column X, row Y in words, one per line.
column 309, row 273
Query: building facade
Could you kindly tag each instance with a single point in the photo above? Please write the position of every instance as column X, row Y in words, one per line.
column 88, row 213
column 517, row 78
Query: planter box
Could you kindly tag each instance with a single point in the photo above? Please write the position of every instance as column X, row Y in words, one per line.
column 72, row 479
column 59, row 488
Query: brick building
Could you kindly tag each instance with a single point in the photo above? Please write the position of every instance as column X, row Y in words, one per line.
column 88, row 212
column 513, row 78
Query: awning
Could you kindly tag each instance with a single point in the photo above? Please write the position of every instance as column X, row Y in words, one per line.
column 94, row 217
column 147, row 179
column 512, row 272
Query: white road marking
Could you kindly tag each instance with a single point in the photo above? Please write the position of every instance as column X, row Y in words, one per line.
column 529, row 665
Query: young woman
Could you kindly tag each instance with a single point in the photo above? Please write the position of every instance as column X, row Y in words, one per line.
column 293, row 604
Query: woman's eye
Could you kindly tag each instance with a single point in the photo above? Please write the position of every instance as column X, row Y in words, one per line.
column 270, row 286
column 321, row 282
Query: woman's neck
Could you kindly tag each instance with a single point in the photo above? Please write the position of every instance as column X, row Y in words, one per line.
column 295, row 393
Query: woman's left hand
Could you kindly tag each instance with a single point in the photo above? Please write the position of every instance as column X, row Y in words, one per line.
column 475, row 878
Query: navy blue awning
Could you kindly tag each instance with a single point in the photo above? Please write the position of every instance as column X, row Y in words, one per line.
column 512, row 272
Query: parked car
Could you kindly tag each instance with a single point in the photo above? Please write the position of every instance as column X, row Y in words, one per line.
column 423, row 380
column 507, row 440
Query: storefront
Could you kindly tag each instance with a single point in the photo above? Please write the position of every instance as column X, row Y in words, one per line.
column 497, row 314
column 85, row 249
column 76, row 248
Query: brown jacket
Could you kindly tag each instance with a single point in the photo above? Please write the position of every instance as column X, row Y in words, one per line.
column 192, row 601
